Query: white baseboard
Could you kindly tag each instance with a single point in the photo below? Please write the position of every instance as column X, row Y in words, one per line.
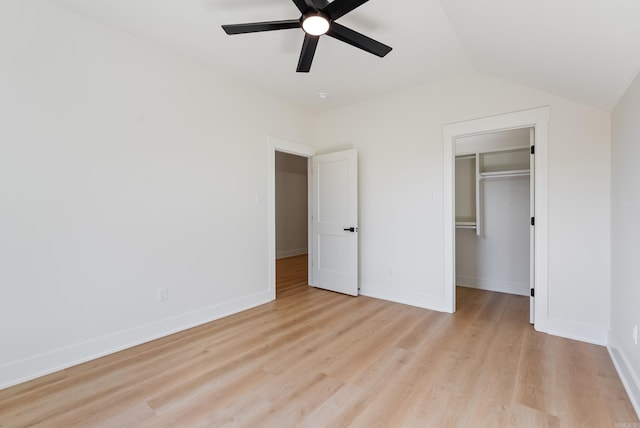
column 630, row 379
column 40, row 365
column 282, row 254
column 577, row 331
column 557, row 327
column 519, row 288
column 434, row 303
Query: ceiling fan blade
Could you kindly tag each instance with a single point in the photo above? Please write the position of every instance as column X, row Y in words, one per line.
column 308, row 51
column 339, row 8
column 302, row 6
column 358, row 40
column 319, row 4
column 255, row 27
column 305, row 6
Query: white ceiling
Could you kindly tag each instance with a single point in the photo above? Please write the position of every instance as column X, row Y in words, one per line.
column 585, row 50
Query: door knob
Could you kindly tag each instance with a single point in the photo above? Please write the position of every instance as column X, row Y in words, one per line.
column 350, row 229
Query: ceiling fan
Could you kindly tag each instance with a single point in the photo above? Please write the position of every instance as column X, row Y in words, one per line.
column 318, row 18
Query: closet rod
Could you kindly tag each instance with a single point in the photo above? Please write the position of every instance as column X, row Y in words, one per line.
column 466, row 224
column 505, row 174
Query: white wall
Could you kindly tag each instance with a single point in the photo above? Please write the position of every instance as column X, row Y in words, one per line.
column 399, row 139
column 291, row 205
column 625, row 287
column 123, row 169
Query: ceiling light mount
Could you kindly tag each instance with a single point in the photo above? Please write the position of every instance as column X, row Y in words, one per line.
column 316, row 23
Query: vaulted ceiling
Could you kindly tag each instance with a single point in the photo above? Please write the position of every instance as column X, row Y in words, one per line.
column 585, row 50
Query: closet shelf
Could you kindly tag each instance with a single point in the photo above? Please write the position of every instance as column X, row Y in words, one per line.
column 465, row 224
column 505, row 174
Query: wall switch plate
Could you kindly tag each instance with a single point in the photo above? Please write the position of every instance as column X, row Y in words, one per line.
column 635, row 335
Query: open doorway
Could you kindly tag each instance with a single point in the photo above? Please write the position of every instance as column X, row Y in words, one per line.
column 494, row 204
column 274, row 146
column 291, row 221
column 332, row 223
column 538, row 120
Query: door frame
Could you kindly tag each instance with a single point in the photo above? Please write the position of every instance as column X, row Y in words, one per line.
column 537, row 118
column 275, row 144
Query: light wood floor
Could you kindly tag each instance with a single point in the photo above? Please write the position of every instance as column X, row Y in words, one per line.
column 315, row 358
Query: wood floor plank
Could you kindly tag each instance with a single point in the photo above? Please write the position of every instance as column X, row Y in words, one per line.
column 315, row 358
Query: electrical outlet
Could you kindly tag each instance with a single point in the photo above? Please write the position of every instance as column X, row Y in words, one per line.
column 163, row 294
column 635, row 335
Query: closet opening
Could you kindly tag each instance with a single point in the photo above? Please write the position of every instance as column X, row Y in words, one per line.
column 494, row 197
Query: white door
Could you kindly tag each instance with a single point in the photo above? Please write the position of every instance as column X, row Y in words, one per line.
column 334, row 224
column 532, row 234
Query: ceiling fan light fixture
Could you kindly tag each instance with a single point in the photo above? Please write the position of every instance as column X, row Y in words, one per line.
column 318, row 18
column 315, row 24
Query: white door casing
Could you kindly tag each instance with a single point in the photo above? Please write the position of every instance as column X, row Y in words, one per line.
column 334, row 211
column 537, row 118
column 532, row 236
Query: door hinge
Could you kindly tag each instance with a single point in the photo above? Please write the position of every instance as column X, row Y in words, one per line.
column 533, row 292
column 533, row 221
column 533, row 150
